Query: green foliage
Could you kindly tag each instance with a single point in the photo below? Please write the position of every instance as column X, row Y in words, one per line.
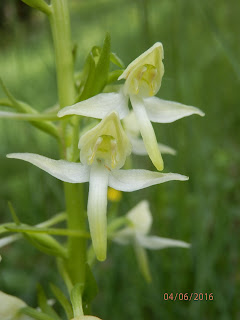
column 43, row 242
column 35, row 314
column 63, row 301
column 39, row 4
column 95, row 70
column 91, row 289
column 44, row 305
column 23, row 107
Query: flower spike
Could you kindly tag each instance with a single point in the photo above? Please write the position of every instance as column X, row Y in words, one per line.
column 143, row 78
column 103, row 151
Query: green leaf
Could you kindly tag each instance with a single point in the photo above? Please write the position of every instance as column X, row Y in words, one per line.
column 57, row 231
column 38, row 315
column 47, row 244
column 23, row 107
column 28, row 117
column 114, row 75
column 62, row 216
column 91, row 287
column 43, row 303
column 62, row 300
column 102, row 67
column 42, row 242
column 4, row 227
column 10, row 227
column 76, row 299
column 116, row 60
column 39, row 5
column 143, row 262
column 6, row 102
column 95, row 71
column 87, row 78
column 74, row 52
column 61, row 264
column 14, row 103
column 13, row 227
column 13, row 214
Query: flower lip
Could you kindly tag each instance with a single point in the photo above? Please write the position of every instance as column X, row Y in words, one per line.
column 107, row 142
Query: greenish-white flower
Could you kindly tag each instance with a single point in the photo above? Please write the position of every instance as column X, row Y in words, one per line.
column 132, row 129
column 143, row 80
column 103, row 151
column 137, row 234
column 10, row 307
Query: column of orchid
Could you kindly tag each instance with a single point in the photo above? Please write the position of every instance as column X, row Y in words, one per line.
column 95, row 153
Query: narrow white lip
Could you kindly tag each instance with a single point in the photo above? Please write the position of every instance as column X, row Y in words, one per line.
column 97, row 209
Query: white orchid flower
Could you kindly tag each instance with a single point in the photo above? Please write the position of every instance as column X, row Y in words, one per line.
column 143, row 80
column 10, row 308
column 140, row 219
column 136, row 233
column 132, row 129
column 103, row 151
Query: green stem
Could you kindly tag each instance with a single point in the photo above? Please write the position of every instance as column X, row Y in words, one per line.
column 55, row 231
column 60, row 25
column 28, row 117
column 76, row 264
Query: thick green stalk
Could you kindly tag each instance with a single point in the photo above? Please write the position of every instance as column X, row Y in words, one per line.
column 76, row 264
column 60, row 25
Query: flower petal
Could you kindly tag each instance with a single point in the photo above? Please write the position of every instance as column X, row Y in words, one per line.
column 136, row 179
column 141, row 221
column 109, row 129
column 99, row 106
column 139, row 149
column 10, row 306
column 142, row 259
column 154, row 242
column 144, row 74
column 141, row 217
column 131, row 125
column 146, row 57
column 147, row 132
column 164, row 111
column 60, row 169
column 166, row 149
column 124, row 236
column 97, row 209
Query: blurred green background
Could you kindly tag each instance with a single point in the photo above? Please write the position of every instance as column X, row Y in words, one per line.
column 202, row 68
